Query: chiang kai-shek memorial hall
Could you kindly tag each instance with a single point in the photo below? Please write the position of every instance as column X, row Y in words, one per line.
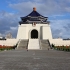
column 35, row 28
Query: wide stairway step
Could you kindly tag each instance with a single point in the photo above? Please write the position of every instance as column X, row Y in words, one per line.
column 33, row 44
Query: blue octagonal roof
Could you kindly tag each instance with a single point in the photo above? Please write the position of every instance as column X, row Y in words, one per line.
column 34, row 14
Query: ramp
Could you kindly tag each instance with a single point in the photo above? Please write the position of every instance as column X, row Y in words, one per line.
column 33, row 44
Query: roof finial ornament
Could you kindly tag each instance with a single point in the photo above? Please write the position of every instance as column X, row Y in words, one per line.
column 34, row 8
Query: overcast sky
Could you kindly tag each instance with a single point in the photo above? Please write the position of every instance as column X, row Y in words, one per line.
column 57, row 11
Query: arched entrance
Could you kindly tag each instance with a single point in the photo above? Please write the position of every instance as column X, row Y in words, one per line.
column 34, row 34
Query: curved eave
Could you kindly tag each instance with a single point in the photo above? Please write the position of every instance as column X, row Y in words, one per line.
column 30, row 22
column 23, row 18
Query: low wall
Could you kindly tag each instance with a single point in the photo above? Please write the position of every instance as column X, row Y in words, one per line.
column 60, row 42
column 56, row 42
column 8, row 42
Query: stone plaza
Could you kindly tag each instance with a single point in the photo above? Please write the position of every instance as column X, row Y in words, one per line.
column 34, row 60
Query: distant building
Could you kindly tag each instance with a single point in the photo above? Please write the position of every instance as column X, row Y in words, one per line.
column 9, row 36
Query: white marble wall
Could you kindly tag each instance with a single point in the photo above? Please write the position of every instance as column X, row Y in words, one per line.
column 24, row 31
column 9, row 42
column 60, row 42
column 47, row 32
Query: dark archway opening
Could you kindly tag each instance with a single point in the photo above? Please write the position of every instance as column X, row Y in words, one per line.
column 34, row 34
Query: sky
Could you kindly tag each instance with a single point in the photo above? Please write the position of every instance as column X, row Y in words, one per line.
column 57, row 11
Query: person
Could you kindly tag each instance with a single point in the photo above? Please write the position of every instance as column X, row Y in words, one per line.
column 27, row 48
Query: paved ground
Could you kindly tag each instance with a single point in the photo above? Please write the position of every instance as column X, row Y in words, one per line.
column 34, row 60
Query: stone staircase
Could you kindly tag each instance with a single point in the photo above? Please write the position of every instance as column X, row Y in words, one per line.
column 33, row 44
column 44, row 44
column 23, row 44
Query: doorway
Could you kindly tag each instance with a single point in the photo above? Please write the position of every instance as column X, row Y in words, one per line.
column 34, row 33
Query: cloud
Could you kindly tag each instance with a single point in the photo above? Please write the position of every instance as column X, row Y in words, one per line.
column 13, row 28
column 60, row 28
column 45, row 7
column 56, row 16
column 13, row 31
column 8, row 22
column 0, row 35
column 68, row 9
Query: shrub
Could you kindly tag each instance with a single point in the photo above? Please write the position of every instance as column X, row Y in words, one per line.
column 2, row 48
column 62, row 48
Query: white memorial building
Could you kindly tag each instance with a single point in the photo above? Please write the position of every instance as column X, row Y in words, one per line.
column 34, row 27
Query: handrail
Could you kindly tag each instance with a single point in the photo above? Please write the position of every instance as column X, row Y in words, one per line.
column 27, row 44
column 18, row 42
